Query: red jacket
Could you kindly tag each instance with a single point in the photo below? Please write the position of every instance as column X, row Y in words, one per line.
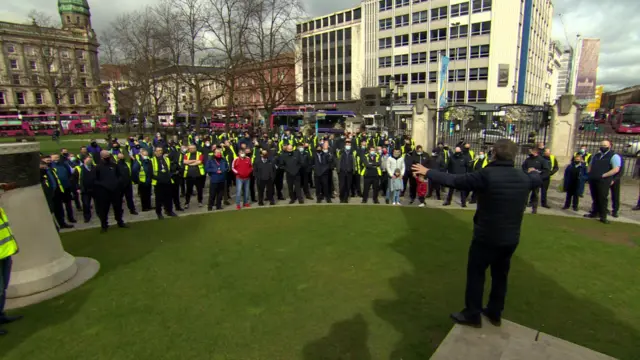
column 242, row 167
column 422, row 188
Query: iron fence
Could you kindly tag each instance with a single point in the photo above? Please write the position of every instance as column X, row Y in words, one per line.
column 523, row 124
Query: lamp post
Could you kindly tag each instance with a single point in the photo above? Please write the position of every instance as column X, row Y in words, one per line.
column 392, row 92
column 188, row 106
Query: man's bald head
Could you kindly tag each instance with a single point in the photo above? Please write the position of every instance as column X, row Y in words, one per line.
column 104, row 154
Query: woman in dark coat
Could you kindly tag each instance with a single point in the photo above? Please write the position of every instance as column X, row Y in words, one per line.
column 575, row 176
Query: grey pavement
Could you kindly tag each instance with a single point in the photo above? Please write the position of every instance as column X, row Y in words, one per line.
column 629, row 194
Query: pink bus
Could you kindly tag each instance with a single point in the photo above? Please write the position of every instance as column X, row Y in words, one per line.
column 14, row 128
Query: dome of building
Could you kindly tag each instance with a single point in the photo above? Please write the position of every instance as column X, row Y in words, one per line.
column 73, row 6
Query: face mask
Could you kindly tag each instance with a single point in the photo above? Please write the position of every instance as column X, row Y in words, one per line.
column 372, row 153
column 73, row 158
column 145, row 158
column 184, row 150
column 384, row 151
column 242, row 155
column 325, row 151
column 207, row 144
column 582, row 151
column 433, row 154
column 481, row 157
column 347, row 147
column 363, row 147
column 457, row 153
column 446, row 148
column 301, row 149
column 94, row 144
column 577, row 162
column 65, row 154
column 419, row 152
column 604, row 149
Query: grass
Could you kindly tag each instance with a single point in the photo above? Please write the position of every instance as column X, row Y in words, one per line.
column 71, row 142
column 312, row 283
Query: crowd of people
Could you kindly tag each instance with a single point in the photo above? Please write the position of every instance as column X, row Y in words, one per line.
column 250, row 168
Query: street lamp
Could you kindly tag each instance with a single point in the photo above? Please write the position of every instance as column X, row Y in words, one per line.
column 391, row 92
column 188, row 106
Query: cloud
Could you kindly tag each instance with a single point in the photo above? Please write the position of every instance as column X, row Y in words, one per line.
column 611, row 21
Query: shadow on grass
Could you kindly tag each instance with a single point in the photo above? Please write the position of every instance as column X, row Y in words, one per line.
column 48, row 314
column 347, row 339
column 435, row 288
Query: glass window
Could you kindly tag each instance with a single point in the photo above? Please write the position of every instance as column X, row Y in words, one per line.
column 3, row 101
column 457, row 75
column 385, row 43
column 86, row 98
column 438, row 34
column 420, row 17
column 477, row 96
column 439, row 13
column 402, row 40
column 458, row 53
column 401, row 60
column 14, row 64
column 357, row 14
column 39, row 100
column 419, row 37
column 386, row 24
column 419, row 78
column 33, row 65
column 35, row 80
column 332, row 20
column 401, row 79
column 480, row 51
column 347, row 16
column 15, row 79
column 433, row 56
column 460, row 31
column 386, row 5
column 433, row 76
column 419, row 58
column 417, row 95
column 384, row 62
column 325, row 22
column 80, row 54
column 11, row 49
column 402, row 20
column 478, row 74
column 402, row 3
column 481, row 5
column 340, row 18
column 384, row 79
column 431, row 95
column 72, row 99
column 460, row 9
column 455, row 96
column 20, row 97
column 482, row 28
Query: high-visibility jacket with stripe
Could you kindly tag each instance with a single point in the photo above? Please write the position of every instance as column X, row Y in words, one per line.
column 364, row 166
column 155, row 167
column 200, row 167
column 8, row 245
column 485, row 162
column 585, row 156
column 554, row 163
column 356, row 160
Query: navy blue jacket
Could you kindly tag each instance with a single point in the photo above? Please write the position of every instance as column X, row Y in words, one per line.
column 213, row 165
column 575, row 177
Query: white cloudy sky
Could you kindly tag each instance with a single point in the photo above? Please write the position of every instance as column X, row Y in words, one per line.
column 613, row 21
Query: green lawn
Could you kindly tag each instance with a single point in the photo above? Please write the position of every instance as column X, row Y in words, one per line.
column 317, row 283
column 72, row 142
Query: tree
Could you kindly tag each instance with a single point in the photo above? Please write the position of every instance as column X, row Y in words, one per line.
column 270, row 42
column 57, row 71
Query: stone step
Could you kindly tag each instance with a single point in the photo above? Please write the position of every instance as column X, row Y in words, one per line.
column 511, row 341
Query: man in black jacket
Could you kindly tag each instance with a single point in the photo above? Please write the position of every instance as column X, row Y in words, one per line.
column 107, row 186
column 86, row 181
column 264, row 170
column 458, row 165
column 322, row 161
column 291, row 162
column 162, row 169
column 371, row 173
column 126, row 183
column 346, row 166
column 541, row 165
column 553, row 169
column 435, row 163
column 502, row 194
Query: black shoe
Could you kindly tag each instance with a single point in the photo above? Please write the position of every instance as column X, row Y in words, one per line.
column 494, row 320
column 66, row 226
column 281, row 197
column 292, row 202
column 73, row 221
column 460, row 318
column 309, row 197
column 590, row 215
column 565, row 208
column 615, row 215
column 226, row 202
column 123, row 225
column 446, row 203
column 179, row 209
column 103, row 230
column 386, row 201
column 472, row 202
column 329, row 201
column 260, row 204
column 534, row 210
column 411, row 201
column 209, row 208
column 300, row 201
column 363, row 201
column 86, row 221
column 10, row 319
column 604, row 221
column 146, row 209
column 464, row 205
column 636, row 208
column 575, row 209
column 133, row 212
column 160, row 216
column 272, row 203
column 376, row 202
column 172, row 214
column 219, row 208
column 318, row 201
column 546, row 206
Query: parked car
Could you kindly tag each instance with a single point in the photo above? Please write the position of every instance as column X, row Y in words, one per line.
column 632, row 148
column 490, row 136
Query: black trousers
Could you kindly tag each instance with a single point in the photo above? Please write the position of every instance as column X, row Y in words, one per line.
column 87, row 198
column 62, row 203
column 182, row 186
column 163, row 196
column 434, row 186
column 322, row 187
column 198, row 182
column 279, row 183
column 599, row 192
column 310, row 179
column 533, row 199
column 252, row 188
column 105, row 199
column 463, row 196
column 5, row 277
column 344, row 182
column 216, row 193
column 355, row 185
column 304, row 182
column 144, row 191
column 75, row 195
column 331, row 186
column 615, row 197
column 293, row 184
column 413, row 187
column 572, row 199
column 543, row 192
column 231, row 180
column 127, row 193
column 265, row 185
column 175, row 194
column 481, row 256
column 371, row 182
column 384, row 183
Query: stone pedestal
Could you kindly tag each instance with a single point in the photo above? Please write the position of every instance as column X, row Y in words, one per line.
column 41, row 265
column 423, row 126
column 564, row 126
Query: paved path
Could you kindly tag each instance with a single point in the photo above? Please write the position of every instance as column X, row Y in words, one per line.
column 509, row 342
column 556, row 201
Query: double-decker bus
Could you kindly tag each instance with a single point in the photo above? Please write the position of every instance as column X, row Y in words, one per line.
column 13, row 128
column 327, row 121
column 46, row 124
column 627, row 119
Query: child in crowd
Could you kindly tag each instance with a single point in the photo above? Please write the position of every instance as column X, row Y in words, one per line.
column 422, row 189
column 575, row 176
column 396, row 186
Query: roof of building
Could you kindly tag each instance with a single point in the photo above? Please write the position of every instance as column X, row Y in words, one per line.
column 74, row 6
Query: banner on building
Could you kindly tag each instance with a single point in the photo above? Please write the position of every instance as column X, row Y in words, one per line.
column 587, row 69
column 442, row 88
column 503, row 75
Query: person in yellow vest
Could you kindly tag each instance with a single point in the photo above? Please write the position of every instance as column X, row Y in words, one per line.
column 478, row 164
column 8, row 247
column 194, row 174
column 124, row 167
column 585, row 154
column 161, row 180
column 546, row 181
column 371, row 173
column 141, row 174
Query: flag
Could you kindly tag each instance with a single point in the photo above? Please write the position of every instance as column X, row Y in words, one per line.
column 442, row 80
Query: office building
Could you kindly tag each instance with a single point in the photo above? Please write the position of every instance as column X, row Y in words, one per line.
column 564, row 73
column 497, row 54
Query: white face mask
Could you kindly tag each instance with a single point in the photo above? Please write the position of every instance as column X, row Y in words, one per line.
column 481, row 156
column 242, row 155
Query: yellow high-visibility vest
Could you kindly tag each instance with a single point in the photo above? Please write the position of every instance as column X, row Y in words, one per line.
column 142, row 175
column 200, row 167
column 154, row 164
column 364, row 168
column 485, row 162
column 8, row 245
